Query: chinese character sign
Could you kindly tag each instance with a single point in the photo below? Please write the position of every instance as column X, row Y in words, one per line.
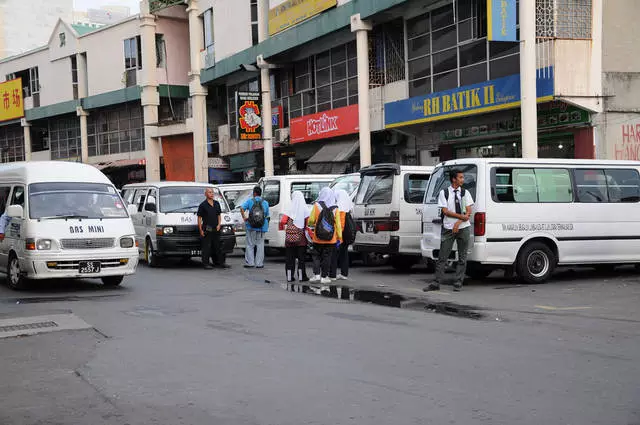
column 249, row 116
column 11, row 100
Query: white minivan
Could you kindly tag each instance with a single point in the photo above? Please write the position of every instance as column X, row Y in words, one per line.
column 388, row 212
column 277, row 190
column 64, row 220
column 532, row 215
column 166, row 222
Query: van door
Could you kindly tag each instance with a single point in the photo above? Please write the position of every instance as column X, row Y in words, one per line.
column 139, row 198
column 410, row 233
column 150, row 214
column 272, row 193
column 5, row 191
column 14, row 230
column 374, row 208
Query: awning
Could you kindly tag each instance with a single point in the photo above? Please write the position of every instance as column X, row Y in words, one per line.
column 120, row 163
column 243, row 162
column 333, row 157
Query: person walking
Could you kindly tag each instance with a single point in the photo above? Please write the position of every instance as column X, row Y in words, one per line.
column 294, row 221
column 456, row 204
column 340, row 257
column 209, row 222
column 326, row 234
column 255, row 212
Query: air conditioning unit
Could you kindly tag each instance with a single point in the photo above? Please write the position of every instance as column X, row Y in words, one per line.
column 281, row 135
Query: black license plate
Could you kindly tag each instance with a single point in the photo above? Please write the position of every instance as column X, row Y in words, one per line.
column 196, row 253
column 89, row 267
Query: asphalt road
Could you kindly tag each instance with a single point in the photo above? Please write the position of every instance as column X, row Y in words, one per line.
column 182, row 345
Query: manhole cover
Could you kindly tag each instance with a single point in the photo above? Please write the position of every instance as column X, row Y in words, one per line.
column 37, row 325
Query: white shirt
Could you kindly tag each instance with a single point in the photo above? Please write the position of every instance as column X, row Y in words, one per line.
column 449, row 222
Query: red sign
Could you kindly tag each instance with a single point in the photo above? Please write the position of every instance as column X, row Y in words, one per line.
column 336, row 122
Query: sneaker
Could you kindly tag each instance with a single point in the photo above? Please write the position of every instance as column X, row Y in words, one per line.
column 325, row 280
column 341, row 277
column 432, row 287
column 457, row 288
column 315, row 278
column 248, row 266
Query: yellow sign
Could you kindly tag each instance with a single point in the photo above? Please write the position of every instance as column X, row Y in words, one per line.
column 292, row 12
column 11, row 101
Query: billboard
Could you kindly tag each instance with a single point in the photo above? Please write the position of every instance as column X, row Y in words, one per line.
column 336, row 122
column 501, row 20
column 11, row 100
column 292, row 12
column 249, row 115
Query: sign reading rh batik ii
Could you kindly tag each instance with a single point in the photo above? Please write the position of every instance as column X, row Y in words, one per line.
column 336, row 122
column 249, row 116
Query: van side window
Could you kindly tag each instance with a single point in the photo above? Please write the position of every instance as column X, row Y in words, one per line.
column 271, row 192
column 623, row 185
column 531, row 185
column 310, row 190
column 591, row 186
column 18, row 196
column 4, row 197
column 138, row 199
column 414, row 187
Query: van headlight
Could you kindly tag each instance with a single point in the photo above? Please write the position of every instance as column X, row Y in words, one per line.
column 127, row 242
column 226, row 230
column 164, row 230
column 43, row 244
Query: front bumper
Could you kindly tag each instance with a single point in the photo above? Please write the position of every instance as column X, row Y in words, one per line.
column 189, row 246
column 51, row 265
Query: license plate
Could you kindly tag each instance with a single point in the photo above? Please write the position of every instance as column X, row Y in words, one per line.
column 89, row 267
column 370, row 227
column 196, row 253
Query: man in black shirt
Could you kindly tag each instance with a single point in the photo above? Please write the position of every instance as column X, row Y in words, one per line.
column 209, row 222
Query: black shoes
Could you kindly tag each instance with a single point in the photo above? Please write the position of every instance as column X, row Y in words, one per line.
column 431, row 287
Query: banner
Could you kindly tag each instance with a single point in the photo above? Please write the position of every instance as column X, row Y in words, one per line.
column 292, row 12
column 489, row 96
column 11, row 100
column 336, row 122
column 249, row 116
column 501, row 20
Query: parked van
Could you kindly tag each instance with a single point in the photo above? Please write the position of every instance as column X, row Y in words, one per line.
column 166, row 222
column 65, row 220
column 388, row 212
column 276, row 190
column 231, row 191
column 347, row 182
column 532, row 215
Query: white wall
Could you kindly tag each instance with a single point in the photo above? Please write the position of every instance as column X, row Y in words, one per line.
column 231, row 26
column 176, row 38
column 621, row 33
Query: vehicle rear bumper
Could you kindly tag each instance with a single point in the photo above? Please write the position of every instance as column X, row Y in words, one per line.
column 393, row 247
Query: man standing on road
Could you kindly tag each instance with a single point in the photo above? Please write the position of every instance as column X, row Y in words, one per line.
column 455, row 203
column 255, row 212
column 209, row 222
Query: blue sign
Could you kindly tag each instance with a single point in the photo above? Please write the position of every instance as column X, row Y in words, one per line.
column 488, row 96
column 501, row 20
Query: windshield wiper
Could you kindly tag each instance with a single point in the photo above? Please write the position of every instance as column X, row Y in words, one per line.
column 182, row 208
column 64, row 216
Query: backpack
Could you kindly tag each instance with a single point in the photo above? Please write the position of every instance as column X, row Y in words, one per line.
column 349, row 232
column 325, row 224
column 446, row 197
column 256, row 215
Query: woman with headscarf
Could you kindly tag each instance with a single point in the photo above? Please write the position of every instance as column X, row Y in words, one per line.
column 341, row 254
column 324, row 247
column 294, row 221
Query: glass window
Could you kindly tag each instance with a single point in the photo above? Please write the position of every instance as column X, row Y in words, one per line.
column 506, row 66
column 17, row 198
column 375, row 189
column 446, row 81
column 339, row 72
column 554, row 185
column 444, row 39
column 528, row 185
column 4, row 197
column 473, row 74
column 473, row 53
column 591, row 186
column 323, row 77
column 420, row 68
column 139, row 198
column 445, row 61
column 623, row 185
column 525, row 188
column 187, row 199
column 498, row 50
column 271, row 192
column 418, row 87
column 310, row 190
column 347, row 183
column 414, row 187
column 440, row 180
column 419, row 46
column 465, row 30
column 323, row 60
column 442, row 17
column 418, row 26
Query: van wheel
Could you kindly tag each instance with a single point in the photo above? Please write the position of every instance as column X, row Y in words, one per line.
column 112, row 280
column 149, row 254
column 478, row 272
column 403, row 263
column 15, row 278
column 536, row 263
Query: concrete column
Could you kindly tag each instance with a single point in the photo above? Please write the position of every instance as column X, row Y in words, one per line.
column 267, row 128
column 26, row 128
column 83, row 84
column 150, row 98
column 198, row 94
column 362, row 28
column 528, row 79
column 263, row 20
column 84, row 136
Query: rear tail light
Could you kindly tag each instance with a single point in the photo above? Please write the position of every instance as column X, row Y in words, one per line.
column 391, row 225
column 479, row 224
column 281, row 225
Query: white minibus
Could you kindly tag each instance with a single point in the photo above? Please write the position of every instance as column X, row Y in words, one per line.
column 533, row 215
column 63, row 220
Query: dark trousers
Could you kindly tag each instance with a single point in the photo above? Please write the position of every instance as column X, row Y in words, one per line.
column 462, row 240
column 292, row 253
column 212, row 248
column 340, row 259
column 322, row 258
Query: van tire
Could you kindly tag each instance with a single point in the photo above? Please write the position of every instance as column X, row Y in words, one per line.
column 401, row 262
column 15, row 278
column 112, row 280
column 150, row 254
column 535, row 263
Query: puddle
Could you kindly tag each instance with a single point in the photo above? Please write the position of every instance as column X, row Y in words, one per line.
column 388, row 299
column 38, row 300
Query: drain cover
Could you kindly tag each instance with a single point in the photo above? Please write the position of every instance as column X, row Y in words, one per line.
column 20, row 326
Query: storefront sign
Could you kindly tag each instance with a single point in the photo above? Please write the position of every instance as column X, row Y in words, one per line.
column 276, row 117
column 501, row 20
column 336, row 122
column 249, row 116
column 217, row 162
column 550, row 115
column 292, row 12
column 493, row 95
column 11, row 100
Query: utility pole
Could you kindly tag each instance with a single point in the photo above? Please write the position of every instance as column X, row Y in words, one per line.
column 265, row 83
column 529, row 112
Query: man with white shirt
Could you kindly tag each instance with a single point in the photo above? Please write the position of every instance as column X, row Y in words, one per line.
column 455, row 203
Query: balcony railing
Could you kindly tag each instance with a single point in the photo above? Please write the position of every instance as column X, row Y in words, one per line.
column 157, row 5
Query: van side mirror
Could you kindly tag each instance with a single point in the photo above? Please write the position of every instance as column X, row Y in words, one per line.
column 15, row 211
column 132, row 209
column 150, row 207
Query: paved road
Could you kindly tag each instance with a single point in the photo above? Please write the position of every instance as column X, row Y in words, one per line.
column 182, row 345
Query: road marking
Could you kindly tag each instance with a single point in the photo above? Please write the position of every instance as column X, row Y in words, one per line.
column 551, row 308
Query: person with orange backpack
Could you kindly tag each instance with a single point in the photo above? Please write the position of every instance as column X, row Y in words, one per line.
column 341, row 254
column 325, row 232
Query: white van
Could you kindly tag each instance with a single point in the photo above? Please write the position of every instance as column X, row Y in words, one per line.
column 231, row 191
column 388, row 212
column 277, row 190
column 236, row 194
column 532, row 215
column 166, row 222
column 64, row 220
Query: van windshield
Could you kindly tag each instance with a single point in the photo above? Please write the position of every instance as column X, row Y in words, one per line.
column 74, row 200
column 347, row 183
column 375, row 189
column 187, row 199
column 440, row 180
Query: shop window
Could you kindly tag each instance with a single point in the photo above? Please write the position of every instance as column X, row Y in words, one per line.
column 446, row 81
column 473, row 74
column 11, row 143
column 503, row 67
column 419, row 46
column 115, row 130
column 444, row 38
column 445, row 61
column 442, row 17
column 473, row 53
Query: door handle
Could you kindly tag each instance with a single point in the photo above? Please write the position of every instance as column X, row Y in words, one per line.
column 437, row 221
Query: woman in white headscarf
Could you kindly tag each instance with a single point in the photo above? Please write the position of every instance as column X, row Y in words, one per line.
column 341, row 255
column 294, row 221
column 324, row 247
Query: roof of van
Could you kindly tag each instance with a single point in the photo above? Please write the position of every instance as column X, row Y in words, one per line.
column 52, row 171
column 550, row 161
column 303, row 176
column 233, row 185
column 168, row 184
